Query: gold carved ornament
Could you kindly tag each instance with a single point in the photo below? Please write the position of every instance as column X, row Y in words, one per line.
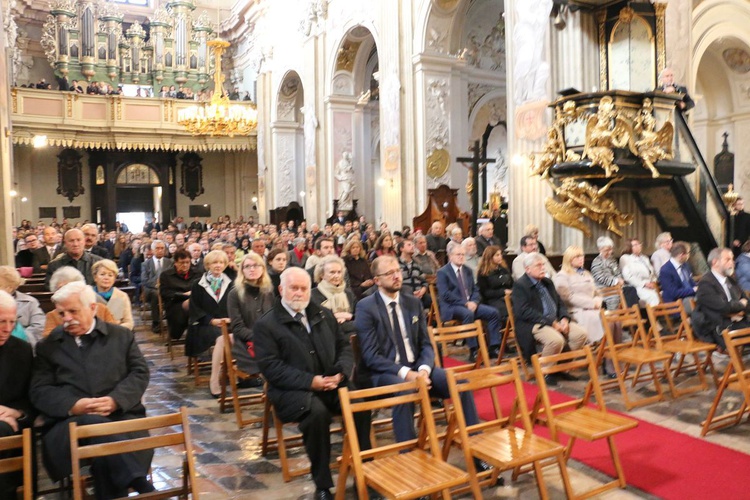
column 438, row 163
column 606, row 130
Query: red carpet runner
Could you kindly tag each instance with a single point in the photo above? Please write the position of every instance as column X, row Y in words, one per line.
column 657, row 460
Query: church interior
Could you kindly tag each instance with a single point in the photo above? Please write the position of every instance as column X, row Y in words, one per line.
column 568, row 120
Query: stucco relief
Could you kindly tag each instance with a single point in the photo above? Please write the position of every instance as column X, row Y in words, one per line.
column 476, row 92
column 342, row 133
column 530, row 72
column 314, row 17
column 437, row 35
column 390, row 106
column 343, row 84
column 285, row 177
column 285, row 109
column 311, row 125
column 438, row 119
column 484, row 44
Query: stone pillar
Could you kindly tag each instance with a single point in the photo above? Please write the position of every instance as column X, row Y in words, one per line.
column 393, row 209
column 6, row 161
column 529, row 91
column 678, row 28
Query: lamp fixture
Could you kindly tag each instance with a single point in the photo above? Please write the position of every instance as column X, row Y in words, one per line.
column 218, row 117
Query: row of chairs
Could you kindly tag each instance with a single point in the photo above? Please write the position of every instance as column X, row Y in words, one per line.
column 171, row 430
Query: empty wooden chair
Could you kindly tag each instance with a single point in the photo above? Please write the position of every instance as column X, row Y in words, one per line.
column 614, row 291
column 440, row 337
column 22, row 445
column 509, row 335
column 230, row 393
column 635, row 352
column 670, row 331
column 501, row 440
column 434, row 314
column 166, row 436
column 736, row 378
column 401, row 470
column 578, row 418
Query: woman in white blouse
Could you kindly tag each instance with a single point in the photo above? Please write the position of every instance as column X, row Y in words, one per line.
column 638, row 272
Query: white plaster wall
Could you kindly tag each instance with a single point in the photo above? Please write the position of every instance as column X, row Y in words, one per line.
column 35, row 175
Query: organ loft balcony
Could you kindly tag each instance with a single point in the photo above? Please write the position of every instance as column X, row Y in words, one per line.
column 82, row 121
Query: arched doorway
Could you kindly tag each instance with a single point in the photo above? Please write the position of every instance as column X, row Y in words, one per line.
column 127, row 182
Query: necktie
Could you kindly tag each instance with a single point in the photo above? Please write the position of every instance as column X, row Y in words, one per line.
column 400, row 346
column 461, row 285
column 685, row 275
column 158, row 265
column 85, row 342
column 301, row 318
column 51, row 251
column 548, row 305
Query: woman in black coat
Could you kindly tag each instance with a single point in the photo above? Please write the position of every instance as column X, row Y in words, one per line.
column 494, row 280
column 208, row 304
column 277, row 262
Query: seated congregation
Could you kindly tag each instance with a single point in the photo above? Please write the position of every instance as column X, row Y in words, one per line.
column 343, row 320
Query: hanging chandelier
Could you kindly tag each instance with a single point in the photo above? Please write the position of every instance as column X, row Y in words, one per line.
column 219, row 116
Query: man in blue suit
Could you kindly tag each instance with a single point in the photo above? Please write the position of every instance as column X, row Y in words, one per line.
column 676, row 277
column 396, row 347
column 458, row 298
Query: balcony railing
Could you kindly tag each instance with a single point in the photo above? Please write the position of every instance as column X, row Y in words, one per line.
column 110, row 122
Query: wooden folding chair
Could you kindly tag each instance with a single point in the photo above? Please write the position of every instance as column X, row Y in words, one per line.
column 670, row 331
column 22, row 462
column 282, row 442
column 613, row 291
column 402, row 470
column 578, row 418
column 509, row 335
column 164, row 424
column 440, row 337
column 736, row 378
column 434, row 314
column 229, row 377
column 501, row 441
column 636, row 353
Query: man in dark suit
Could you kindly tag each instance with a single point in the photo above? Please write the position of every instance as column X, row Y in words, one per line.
column 305, row 357
column 676, row 277
column 174, row 287
column 16, row 412
column 196, row 258
column 149, row 274
column 91, row 235
column 197, row 225
column 90, row 372
column 486, row 238
column 668, row 85
column 51, row 249
column 541, row 316
column 436, row 240
column 458, row 299
column 719, row 303
column 109, row 244
column 396, row 347
column 74, row 256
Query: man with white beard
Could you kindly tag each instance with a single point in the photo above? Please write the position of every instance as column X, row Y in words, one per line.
column 305, row 357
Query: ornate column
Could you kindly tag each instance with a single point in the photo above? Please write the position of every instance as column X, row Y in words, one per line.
column 677, row 22
column 392, row 208
column 527, row 48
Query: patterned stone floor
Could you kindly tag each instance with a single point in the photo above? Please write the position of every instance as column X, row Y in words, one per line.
column 230, row 464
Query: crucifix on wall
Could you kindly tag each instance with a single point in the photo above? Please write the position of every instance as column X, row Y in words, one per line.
column 478, row 164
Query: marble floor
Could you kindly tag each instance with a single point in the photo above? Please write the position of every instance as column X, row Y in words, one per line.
column 230, row 465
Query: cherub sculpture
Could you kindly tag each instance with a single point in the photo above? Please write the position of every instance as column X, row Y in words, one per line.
column 652, row 146
column 604, row 132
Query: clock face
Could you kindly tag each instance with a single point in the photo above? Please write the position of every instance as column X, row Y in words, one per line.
column 575, row 133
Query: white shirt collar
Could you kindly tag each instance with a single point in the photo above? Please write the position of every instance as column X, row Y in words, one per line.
column 387, row 300
column 675, row 263
column 291, row 311
column 719, row 277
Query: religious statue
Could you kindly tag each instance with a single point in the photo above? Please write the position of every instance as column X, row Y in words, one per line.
column 580, row 199
column 345, row 177
column 606, row 131
column 652, row 145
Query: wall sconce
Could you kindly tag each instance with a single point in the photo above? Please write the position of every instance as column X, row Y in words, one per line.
column 24, row 199
column 302, row 194
column 13, row 193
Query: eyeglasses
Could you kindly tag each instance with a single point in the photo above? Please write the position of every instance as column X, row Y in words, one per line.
column 389, row 274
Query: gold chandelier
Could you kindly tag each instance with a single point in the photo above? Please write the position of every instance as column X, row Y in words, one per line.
column 219, row 116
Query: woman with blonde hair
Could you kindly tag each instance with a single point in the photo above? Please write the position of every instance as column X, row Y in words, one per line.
column 29, row 314
column 360, row 277
column 249, row 299
column 577, row 289
column 59, row 279
column 208, row 304
column 105, row 274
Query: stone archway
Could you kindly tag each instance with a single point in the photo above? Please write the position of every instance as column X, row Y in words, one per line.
column 354, row 112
